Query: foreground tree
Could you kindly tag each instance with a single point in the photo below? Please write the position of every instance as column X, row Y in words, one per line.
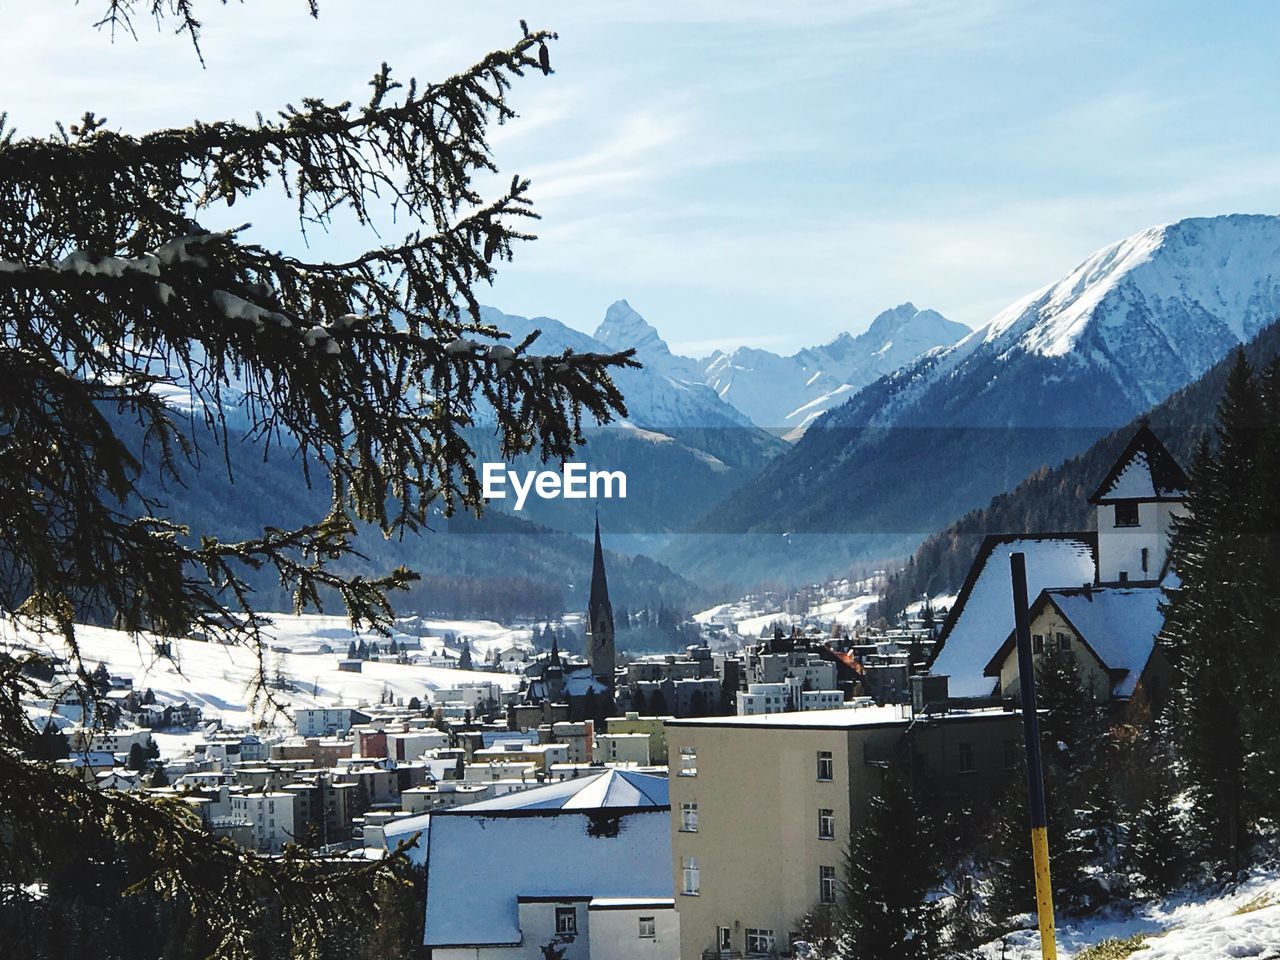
column 113, row 296
column 891, row 872
column 1219, row 631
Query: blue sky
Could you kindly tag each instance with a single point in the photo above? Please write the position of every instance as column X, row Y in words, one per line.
column 751, row 172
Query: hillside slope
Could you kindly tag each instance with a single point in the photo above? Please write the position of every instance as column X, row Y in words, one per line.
column 1054, row 499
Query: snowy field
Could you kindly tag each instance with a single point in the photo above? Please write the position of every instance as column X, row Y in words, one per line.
column 1242, row 922
column 216, row 678
column 845, row 603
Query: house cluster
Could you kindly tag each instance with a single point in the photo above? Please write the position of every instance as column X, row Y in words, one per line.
column 695, row 804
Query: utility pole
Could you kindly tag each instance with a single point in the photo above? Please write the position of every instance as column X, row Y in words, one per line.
column 1031, row 741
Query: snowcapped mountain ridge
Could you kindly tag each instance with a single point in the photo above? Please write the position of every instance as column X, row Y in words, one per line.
column 1128, row 326
column 790, row 392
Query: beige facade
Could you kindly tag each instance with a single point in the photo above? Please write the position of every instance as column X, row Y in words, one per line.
column 1047, row 632
column 632, row 722
column 762, row 808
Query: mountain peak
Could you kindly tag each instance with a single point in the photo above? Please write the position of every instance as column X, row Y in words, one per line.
column 623, row 328
column 1180, row 278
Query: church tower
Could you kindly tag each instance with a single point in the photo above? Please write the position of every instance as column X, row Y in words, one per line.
column 1137, row 502
column 600, row 649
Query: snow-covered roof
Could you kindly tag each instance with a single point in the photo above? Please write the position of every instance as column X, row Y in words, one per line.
column 403, row 830
column 983, row 613
column 611, row 788
column 1146, row 470
column 1120, row 625
column 842, row 719
column 532, row 853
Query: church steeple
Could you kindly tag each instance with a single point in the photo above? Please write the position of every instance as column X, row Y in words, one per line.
column 600, row 647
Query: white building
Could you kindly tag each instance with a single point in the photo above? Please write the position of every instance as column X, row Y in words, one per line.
column 623, row 748
column 786, row 697
column 119, row 740
column 554, row 874
column 326, row 721
column 272, row 816
column 1136, row 503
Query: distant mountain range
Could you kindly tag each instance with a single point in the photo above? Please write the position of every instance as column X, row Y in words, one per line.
column 789, row 393
column 909, row 424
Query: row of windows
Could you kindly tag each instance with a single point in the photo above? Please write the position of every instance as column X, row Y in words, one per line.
column 1040, row 640
column 826, row 819
column 567, row 924
column 689, row 763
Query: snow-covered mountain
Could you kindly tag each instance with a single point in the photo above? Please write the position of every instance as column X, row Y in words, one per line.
column 667, row 392
column 1131, row 324
column 790, row 392
column 1039, row 383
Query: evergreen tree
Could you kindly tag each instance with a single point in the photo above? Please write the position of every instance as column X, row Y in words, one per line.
column 158, row 777
column 464, row 658
column 368, row 370
column 1157, row 842
column 1219, row 651
column 890, row 872
column 415, row 704
column 137, row 758
column 352, row 652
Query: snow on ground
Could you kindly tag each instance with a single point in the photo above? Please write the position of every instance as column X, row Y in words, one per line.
column 306, row 633
column 1241, row 922
column 216, row 678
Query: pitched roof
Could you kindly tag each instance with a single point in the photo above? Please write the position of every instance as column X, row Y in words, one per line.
column 982, row 616
column 479, row 867
column 1120, row 625
column 1146, row 470
column 610, row 788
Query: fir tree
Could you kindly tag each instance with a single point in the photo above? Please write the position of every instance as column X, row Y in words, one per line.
column 137, row 758
column 1219, row 651
column 368, row 370
column 464, row 658
column 890, row 872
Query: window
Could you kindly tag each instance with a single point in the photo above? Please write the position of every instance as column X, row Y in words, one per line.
column 759, row 942
column 1010, row 754
column 648, row 928
column 688, row 762
column 826, row 884
column 724, row 937
column 1124, row 576
column 1146, row 559
column 1127, row 514
column 967, row 763
column 1064, row 642
column 1037, row 642
column 689, row 817
column 689, row 869
column 826, row 824
column 825, row 765
column 566, row 920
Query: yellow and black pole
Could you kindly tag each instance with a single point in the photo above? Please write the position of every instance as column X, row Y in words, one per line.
column 1031, row 740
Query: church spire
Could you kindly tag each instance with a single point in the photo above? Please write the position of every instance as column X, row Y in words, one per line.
column 600, row 647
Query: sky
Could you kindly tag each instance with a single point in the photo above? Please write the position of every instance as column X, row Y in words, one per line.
column 747, row 172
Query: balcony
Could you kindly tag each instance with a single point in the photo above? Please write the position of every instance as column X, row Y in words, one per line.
column 722, row 955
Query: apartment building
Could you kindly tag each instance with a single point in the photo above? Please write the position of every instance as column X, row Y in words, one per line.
column 762, row 807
